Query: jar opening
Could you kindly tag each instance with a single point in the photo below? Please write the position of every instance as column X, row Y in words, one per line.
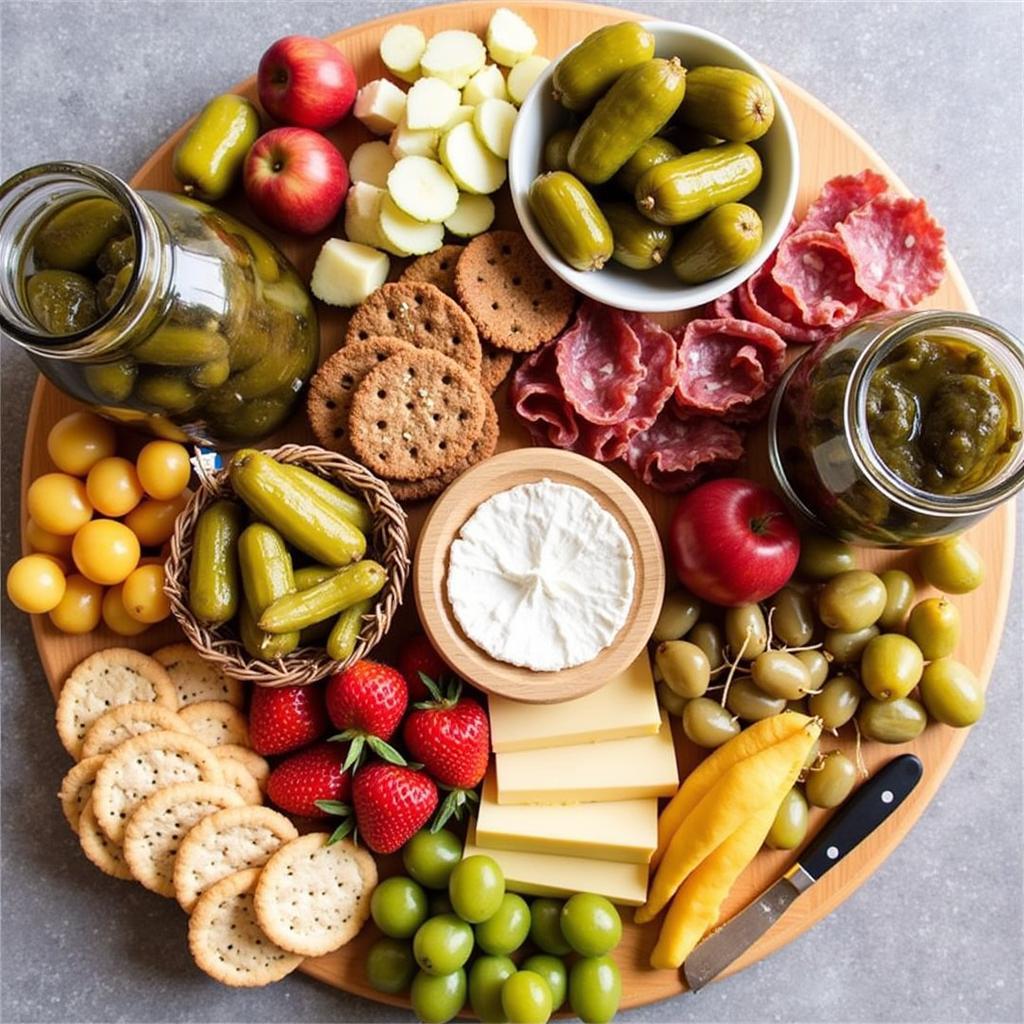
column 27, row 201
column 1001, row 347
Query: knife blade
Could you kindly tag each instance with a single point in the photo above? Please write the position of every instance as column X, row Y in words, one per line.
column 869, row 806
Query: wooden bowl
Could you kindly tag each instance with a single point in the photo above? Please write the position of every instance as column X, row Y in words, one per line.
column 457, row 504
column 388, row 543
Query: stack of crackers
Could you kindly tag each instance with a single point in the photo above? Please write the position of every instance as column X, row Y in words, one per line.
column 167, row 791
column 409, row 392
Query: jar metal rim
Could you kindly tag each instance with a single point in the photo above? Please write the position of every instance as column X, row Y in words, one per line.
column 858, row 437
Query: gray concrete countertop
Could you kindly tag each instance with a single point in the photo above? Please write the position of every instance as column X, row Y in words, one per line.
column 936, row 934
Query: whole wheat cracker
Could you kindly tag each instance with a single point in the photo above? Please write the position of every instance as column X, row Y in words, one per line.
column 436, row 268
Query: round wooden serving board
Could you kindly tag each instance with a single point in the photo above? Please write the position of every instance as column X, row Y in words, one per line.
column 828, row 147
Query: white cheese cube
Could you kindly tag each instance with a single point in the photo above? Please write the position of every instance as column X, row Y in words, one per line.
column 346, row 273
column 487, row 84
column 362, row 214
column 380, row 105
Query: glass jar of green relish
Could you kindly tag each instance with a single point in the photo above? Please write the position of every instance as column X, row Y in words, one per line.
column 902, row 428
column 153, row 308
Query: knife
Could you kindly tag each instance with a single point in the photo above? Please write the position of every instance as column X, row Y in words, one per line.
column 854, row 822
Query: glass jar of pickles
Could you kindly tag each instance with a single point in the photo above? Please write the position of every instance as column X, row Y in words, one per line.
column 153, row 308
column 903, row 428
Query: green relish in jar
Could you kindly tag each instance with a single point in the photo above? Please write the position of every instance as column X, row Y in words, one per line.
column 903, row 427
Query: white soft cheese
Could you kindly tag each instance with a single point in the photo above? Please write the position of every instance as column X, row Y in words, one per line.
column 541, row 576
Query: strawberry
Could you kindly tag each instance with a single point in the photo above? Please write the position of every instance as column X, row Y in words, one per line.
column 392, row 804
column 285, row 718
column 451, row 735
column 303, row 782
column 416, row 656
column 367, row 702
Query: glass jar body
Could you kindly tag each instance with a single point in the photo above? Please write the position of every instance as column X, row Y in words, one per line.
column 821, row 447
column 213, row 337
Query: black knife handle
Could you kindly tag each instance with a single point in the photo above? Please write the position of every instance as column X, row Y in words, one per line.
column 869, row 806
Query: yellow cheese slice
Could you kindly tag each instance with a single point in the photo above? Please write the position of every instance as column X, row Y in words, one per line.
column 625, row 706
column 643, row 766
column 624, row 830
column 543, row 874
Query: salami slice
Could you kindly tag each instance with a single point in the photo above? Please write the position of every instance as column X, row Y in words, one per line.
column 676, row 452
column 599, row 365
column 536, row 395
column 727, row 364
column 839, row 197
column 726, row 305
column 813, row 269
column 658, row 355
column 895, row 247
column 763, row 302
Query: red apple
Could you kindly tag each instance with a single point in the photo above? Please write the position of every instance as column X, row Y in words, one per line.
column 306, row 82
column 733, row 542
column 295, row 180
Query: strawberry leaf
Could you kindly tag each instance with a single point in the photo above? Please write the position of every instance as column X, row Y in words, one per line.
column 452, row 807
column 432, row 687
column 385, row 751
column 333, row 807
column 354, row 755
column 344, row 828
column 440, row 699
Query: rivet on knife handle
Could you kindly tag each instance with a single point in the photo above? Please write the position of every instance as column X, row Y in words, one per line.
column 869, row 806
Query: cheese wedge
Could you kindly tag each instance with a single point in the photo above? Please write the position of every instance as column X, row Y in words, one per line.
column 539, row 874
column 625, row 706
column 643, row 766
column 624, row 830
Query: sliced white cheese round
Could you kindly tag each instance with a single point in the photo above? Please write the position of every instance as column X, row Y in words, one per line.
column 400, row 49
column 541, row 577
column 509, row 38
column 423, row 189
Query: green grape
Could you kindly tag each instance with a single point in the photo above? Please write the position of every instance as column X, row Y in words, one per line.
column 476, row 888
column 590, row 924
column 398, row 907
column 526, row 998
column 595, row 989
column 390, row 965
column 436, row 998
column 552, row 970
column 506, row 929
column 486, row 978
column 430, row 857
column 442, row 944
column 546, row 927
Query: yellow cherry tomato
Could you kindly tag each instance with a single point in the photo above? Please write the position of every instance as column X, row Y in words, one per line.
column 143, row 596
column 45, row 542
column 105, row 551
column 64, row 564
column 116, row 617
column 59, row 503
column 163, row 469
column 35, row 584
column 78, row 441
column 80, row 608
column 113, row 487
column 153, row 521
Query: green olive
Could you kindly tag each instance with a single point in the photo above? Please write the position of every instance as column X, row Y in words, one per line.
column 952, row 566
column 679, row 611
column 892, row 721
column 708, row 637
column 790, row 825
column 891, row 666
column 751, row 704
column 670, row 700
column 846, row 648
column 852, row 600
column 837, row 702
column 831, row 781
column 781, row 674
column 951, row 693
column 817, row 666
column 746, row 631
column 684, row 667
column 822, row 557
column 934, row 625
column 899, row 596
column 792, row 617
column 708, row 724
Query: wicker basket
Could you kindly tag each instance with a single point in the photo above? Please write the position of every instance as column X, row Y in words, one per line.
column 389, row 544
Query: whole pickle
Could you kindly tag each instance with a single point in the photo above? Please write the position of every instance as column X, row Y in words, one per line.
column 208, row 160
column 571, row 221
column 718, row 243
column 556, row 150
column 728, row 103
column 61, row 301
column 638, row 243
column 74, row 236
column 656, row 150
column 589, row 69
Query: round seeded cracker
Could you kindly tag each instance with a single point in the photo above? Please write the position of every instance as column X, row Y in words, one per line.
column 195, row 679
column 436, row 268
column 76, row 789
column 142, row 765
column 226, row 940
column 333, row 385
column 237, row 777
column 106, row 854
column 161, row 821
column 119, row 724
column 415, row 415
column 494, row 367
column 516, row 302
column 216, row 722
column 312, row 897
column 225, row 842
column 255, row 765
column 422, row 315
column 106, row 680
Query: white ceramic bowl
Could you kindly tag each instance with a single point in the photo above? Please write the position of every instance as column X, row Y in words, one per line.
column 658, row 291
